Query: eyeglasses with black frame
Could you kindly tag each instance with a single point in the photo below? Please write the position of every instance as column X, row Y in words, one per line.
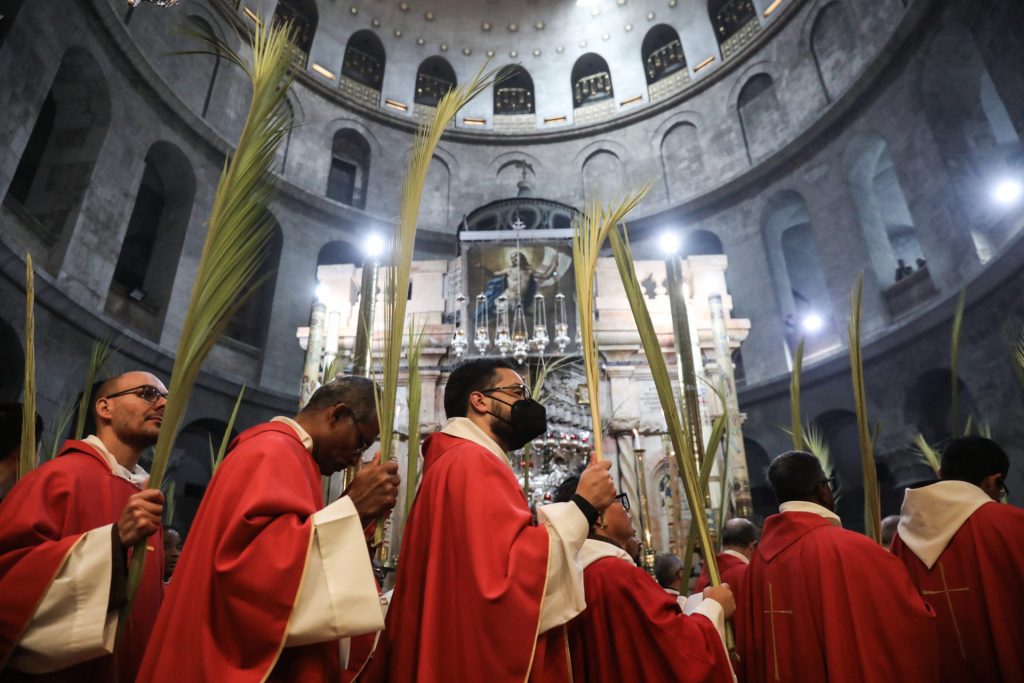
column 519, row 390
column 146, row 392
column 364, row 443
column 623, row 499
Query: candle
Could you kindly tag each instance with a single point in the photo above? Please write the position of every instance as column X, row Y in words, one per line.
column 638, row 445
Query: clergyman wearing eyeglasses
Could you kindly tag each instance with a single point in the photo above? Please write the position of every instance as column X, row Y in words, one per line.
column 65, row 530
column 270, row 581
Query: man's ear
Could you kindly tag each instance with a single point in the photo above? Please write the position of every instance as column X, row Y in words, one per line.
column 335, row 413
column 992, row 487
column 102, row 408
column 478, row 402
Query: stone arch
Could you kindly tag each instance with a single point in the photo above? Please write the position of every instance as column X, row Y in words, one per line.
column 602, row 175
column 14, row 360
column 190, row 466
column 514, row 93
column 661, row 53
column 591, row 80
column 682, row 159
column 339, row 252
column 928, row 406
column 434, row 78
column 761, row 116
column 882, row 210
column 971, row 126
column 834, row 49
column 701, row 243
column 365, row 59
column 436, row 203
column 761, row 495
column 251, row 323
column 56, row 165
column 304, row 17
column 734, row 22
column 140, row 289
column 349, row 172
column 799, row 280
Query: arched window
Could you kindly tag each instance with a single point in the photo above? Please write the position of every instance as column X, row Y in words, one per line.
column 761, row 116
column 250, row 324
column 735, row 23
column 434, row 79
column 303, row 16
column 513, row 93
column 339, row 253
column 834, row 47
column 701, row 243
column 882, row 210
column 55, row 168
column 190, row 466
column 602, row 174
column 591, row 80
column 141, row 287
column 350, row 168
column 364, row 59
column 682, row 159
column 662, row 53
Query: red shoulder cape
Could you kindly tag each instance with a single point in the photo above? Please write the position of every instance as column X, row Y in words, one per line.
column 227, row 609
column 41, row 520
column 732, row 570
column 981, row 629
column 820, row 603
column 471, row 575
column 633, row 632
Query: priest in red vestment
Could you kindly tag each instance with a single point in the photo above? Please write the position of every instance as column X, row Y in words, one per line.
column 270, row 580
column 965, row 554
column 483, row 591
column 66, row 530
column 632, row 631
column 739, row 539
column 820, row 603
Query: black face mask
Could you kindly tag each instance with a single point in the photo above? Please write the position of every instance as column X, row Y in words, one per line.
column 529, row 419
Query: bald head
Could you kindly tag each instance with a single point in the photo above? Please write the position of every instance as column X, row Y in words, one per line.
column 739, row 532
column 668, row 570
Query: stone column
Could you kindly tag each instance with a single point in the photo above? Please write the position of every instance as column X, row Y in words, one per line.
column 314, row 351
column 331, row 342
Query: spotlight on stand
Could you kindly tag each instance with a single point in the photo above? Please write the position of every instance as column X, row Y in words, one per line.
column 322, row 292
column 1008, row 191
column 669, row 243
column 373, row 246
column 812, row 322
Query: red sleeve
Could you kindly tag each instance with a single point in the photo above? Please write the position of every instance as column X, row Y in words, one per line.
column 33, row 547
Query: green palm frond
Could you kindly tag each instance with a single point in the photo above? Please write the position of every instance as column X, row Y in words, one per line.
column 216, row 460
column 954, row 365
column 928, row 454
column 97, row 359
column 590, row 230
column 402, row 243
column 872, row 502
column 237, row 235
column 817, row 445
column 27, row 457
column 52, row 447
column 417, row 340
column 794, row 397
column 169, row 507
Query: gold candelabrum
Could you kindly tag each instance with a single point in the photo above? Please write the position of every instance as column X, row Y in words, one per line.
column 645, row 512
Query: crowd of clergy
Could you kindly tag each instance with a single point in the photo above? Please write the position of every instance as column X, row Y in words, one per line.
column 274, row 585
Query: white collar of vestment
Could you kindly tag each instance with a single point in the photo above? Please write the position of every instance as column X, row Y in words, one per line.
column 671, row 591
column 136, row 476
column 736, row 554
column 464, row 428
column 932, row 515
column 807, row 506
column 594, row 550
column 303, row 435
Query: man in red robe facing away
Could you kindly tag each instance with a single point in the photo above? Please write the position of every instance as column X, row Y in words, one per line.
column 483, row 591
column 739, row 539
column 65, row 533
column 965, row 554
column 270, row 580
column 820, row 603
column 632, row 631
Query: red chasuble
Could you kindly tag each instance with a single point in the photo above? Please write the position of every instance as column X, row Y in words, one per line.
column 472, row 569
column 633, row 632
column 977, row 589
column 41, row 520
column 730, row 567
column 226, row 612
column 820, row 603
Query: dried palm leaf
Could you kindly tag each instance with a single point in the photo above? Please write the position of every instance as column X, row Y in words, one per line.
column 97, row 359
column 794, row 397
column 27, row 457
column 928, row 454
column 954, row 366
column 817, row 445
column 872, row 502
column 237, row 235
column 417, row 340
column 590, row 230
column 52, row 446
column 718, row 433
column 169, row 507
